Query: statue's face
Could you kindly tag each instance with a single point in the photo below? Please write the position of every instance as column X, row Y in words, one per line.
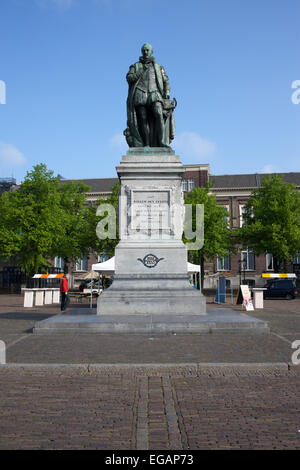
column 147, row 51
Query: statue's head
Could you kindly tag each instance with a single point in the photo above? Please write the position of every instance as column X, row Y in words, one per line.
column 147, row 50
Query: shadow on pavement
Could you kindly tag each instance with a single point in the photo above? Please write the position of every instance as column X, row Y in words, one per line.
column 26, row 316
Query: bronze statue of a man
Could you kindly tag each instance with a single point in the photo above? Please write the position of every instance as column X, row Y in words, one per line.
column 150, row 120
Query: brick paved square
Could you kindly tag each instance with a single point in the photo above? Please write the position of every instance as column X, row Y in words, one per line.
column 136, row 392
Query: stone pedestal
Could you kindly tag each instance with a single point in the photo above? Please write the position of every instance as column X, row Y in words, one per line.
column 151, row 260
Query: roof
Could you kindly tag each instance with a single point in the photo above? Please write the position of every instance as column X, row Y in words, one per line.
column 98, row 185
column 252, row 180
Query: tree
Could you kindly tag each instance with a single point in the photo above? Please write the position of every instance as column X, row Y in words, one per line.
column 41, row 220
column 83, row 230
column 217, row 236
column 271, row 220
column 77, row 223
column 108, row 245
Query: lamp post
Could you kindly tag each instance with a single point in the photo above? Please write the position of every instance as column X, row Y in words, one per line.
column 242, row 266
column 240, row 270
column 244, row 269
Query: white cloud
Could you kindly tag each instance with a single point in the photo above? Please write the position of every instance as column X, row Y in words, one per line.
column 10, row 156
column 118, row 142
column 192, row 147
column 269, row 169
column 189, row 145
column 61, row 4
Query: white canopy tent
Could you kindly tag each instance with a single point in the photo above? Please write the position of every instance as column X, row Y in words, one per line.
column 108, row 267
column 193, row 268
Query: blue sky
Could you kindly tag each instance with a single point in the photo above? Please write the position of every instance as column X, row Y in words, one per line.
column 231, row 65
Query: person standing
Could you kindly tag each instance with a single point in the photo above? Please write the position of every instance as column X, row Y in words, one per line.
column 64, row 289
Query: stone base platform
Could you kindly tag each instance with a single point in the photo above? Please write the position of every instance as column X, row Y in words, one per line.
column 154, row 301
column 86, row 321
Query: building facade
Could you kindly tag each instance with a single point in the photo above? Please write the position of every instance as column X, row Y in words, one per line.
column 7, row 184
column 231, row 191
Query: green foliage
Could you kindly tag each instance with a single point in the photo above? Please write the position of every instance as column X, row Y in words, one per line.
column 41, row 220
column 77, row 225
column 218, row 239
column 272, row 220
column 108, row 245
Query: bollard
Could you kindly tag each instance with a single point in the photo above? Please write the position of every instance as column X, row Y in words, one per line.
column 2, row 352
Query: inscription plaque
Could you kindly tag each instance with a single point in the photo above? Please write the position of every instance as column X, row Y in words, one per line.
column 150, row 211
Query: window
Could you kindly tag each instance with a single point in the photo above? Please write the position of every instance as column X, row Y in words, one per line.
column 184, row 186
column 241, row 213
column 188, row 185
column 247, row 258
column 81, row 264
column 59, row 262
column 269, row 262
column 227, row 217
column 103, row 257
column 223, row 263
column 191, row 184
column 296, row 260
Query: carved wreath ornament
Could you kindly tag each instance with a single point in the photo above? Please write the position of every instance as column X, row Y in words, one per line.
column 150, row 261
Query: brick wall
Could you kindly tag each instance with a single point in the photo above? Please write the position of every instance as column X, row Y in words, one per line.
column 199, row 176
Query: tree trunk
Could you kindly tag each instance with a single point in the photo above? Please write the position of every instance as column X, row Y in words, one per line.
column 202, row 270
column 66, row 265
column 276, row 264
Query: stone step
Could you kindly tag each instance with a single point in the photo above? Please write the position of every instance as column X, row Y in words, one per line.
column 86, row 321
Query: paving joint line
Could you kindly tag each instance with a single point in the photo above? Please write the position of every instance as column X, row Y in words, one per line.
column 156, row 370
column 181, row 423
column 134, row 414
column 171, row 415
column 142, row 426
column 281, row 337
column 9, row 345
column 89, row 366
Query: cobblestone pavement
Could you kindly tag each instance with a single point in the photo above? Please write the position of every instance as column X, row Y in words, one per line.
column 160, row 392
column 16, row 325
column 177, row 408
column 142, row 348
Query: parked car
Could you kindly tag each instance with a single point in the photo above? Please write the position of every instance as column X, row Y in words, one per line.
column 285, row 288
column 87, row 283
column 95, row 292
